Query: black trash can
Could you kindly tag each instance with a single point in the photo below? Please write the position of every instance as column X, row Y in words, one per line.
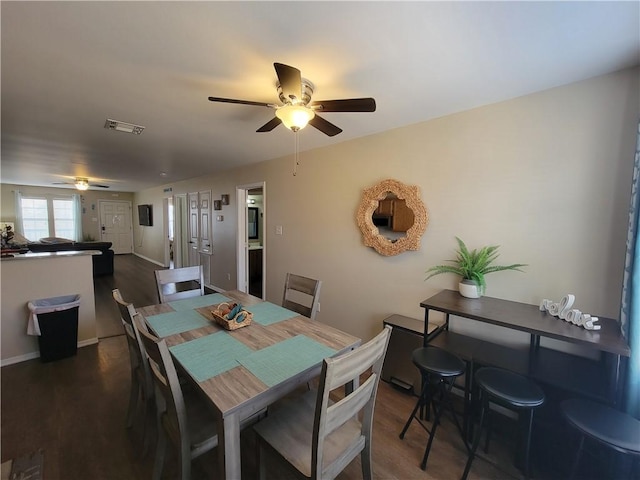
column 56, row 320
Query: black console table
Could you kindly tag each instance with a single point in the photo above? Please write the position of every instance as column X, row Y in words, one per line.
column 597, row 379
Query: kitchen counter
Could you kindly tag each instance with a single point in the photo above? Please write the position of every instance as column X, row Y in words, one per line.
column 41, row 255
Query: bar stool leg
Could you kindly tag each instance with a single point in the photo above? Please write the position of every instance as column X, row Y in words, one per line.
column 576, row 461
column 488, row 428
column 444, row 387
column 419, row 404
column 476, row 441
column 527, row 446
column 436, row 421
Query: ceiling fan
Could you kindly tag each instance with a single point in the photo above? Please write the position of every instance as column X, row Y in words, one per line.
column 297, row 109
column 82, row 183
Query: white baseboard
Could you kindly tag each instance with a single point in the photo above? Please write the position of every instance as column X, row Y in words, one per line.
column 89, row 341
column 20, row 358
column 148, row 259
column 32, row 355
column 217, row 289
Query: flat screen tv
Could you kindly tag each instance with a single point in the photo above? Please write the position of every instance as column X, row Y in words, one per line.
column 145, row 215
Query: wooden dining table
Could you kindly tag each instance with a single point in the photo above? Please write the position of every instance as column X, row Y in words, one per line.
column 243, row 371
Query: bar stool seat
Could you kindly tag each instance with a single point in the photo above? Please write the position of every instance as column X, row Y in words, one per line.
column 509, row 390
column 610, row 427
column 439, row 369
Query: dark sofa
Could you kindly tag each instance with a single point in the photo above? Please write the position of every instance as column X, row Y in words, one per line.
column 102, row 263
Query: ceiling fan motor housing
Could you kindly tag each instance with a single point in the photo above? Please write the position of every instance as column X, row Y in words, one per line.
column 307, row 93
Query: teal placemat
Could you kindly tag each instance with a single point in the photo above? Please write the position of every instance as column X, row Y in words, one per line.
column 197, row 302
column 266, row 313
column 206, row 357
column 278, row 362
column 165, row 324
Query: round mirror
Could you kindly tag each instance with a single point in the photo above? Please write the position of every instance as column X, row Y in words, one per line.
column 392, row 217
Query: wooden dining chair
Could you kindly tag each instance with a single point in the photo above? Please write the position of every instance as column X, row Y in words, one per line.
column 179, row 283
column 318, row 437
column 185, row 420
column 302, row 295
column 141, row 394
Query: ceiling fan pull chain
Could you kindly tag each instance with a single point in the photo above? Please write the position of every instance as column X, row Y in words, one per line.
column 295, row 156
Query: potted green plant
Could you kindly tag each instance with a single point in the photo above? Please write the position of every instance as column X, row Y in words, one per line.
column 472, row 266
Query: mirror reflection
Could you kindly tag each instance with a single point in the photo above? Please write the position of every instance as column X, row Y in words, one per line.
column 392, row 217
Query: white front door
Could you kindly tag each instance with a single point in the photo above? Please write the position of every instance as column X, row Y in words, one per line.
column 115, row 225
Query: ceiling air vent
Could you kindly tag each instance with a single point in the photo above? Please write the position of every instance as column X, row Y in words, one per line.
column 123, row 126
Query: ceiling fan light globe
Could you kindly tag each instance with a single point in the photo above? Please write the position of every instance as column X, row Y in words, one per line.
column 295, row 117
column 82, row 184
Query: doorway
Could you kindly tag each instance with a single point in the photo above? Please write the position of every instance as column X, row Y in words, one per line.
column 169, row 231
column 252, row 239
column 116, row 225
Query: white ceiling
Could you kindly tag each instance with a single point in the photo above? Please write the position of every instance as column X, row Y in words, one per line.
column 68, row 66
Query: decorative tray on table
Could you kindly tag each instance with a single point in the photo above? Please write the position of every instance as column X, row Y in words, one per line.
column 231, row 316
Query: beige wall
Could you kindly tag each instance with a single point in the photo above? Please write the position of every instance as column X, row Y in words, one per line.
column 90, row 215
column 546, row 176
column 26, row 279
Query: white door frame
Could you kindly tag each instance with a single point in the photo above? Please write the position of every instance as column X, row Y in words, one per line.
column 180, row 231
column 242, row 191
column 126, row 202
column 167, row 243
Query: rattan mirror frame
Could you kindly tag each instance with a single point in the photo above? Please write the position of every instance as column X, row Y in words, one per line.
column 370, row 233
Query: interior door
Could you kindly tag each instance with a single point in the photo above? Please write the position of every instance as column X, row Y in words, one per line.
column 115, row 225
column 194, row 229
column 205, row 222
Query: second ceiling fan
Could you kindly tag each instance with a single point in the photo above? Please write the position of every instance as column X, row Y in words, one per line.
column 297, row 109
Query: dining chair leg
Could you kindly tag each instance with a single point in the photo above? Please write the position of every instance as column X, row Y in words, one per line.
column 260, row 460
column 133, row 400
column 365, row 460
column 185, row 462
column 161, row 448
column 147, row 431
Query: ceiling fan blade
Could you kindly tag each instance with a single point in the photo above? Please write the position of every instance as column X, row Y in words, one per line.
column 325, row 127
column 243, row 102
column 98, row 185
column 61, row 183
column 347, row 105
column 290, row 81
column 270, row 125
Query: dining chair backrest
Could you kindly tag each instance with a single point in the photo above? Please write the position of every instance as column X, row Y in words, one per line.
column 169, row 399
column 301, row 295
column 329, row 417
column 141, row 395
column 139, row 364
column 179, row 283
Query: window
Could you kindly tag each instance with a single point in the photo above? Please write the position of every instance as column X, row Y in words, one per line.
column 48, row 217
column 35, row 218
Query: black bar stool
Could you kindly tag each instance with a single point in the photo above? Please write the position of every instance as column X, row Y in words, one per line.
column 438, row 369
column 610, row 427
column 509, row 390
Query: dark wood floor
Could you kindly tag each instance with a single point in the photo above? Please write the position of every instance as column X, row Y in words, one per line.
column 75, row 409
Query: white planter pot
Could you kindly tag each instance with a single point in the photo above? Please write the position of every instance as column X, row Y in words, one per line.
column 469, row 289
